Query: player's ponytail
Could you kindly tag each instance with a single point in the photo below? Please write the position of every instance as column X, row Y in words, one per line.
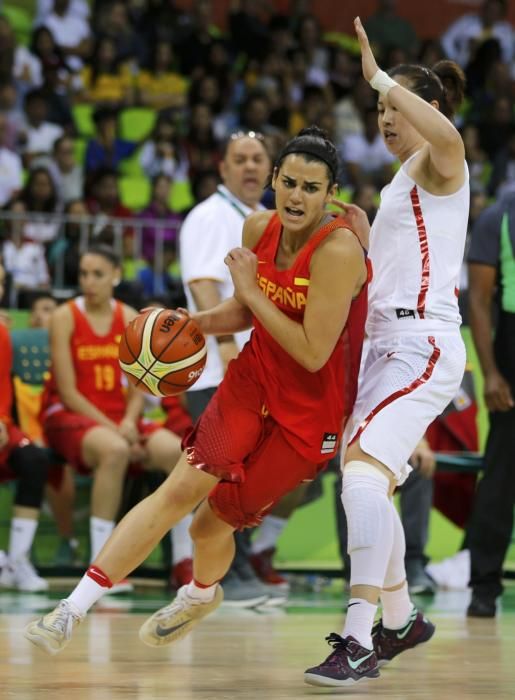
column 453, row 81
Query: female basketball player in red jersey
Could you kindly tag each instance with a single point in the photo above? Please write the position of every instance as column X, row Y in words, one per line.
column 416, row 357
column 301, row 281
column 89, row 416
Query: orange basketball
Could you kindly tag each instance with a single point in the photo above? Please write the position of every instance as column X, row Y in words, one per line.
column 162, row 352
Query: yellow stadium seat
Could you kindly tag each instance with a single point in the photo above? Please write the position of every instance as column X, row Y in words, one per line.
column 181, row 196
column 20, row 20
column 79, row 147
column 131, row 166
column 83, row 119
column 136, row 123
column 134, row 191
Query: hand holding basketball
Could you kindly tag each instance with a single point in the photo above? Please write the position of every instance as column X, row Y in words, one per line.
column 162, row 352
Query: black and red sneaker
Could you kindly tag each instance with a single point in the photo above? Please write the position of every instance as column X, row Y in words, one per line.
column 389, row 643
column 348, row 663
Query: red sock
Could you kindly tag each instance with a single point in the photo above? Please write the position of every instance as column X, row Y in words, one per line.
column 99, row 577
column 204, row 585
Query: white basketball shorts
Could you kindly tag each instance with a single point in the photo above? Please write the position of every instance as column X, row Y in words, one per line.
column 405, row 383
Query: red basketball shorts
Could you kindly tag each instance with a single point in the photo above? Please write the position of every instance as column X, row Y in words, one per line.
column 236, row 441
column 65, row 431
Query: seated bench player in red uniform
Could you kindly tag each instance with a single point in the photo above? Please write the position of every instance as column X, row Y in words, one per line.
column 28, row 464
column 91, row 416
column 301, row 281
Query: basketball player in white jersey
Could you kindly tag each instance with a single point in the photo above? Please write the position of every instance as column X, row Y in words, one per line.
column 416, row 357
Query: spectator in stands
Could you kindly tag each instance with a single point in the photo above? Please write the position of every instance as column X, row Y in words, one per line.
column 492, row 282
column 194, row 40
column 77, row 8
column 349, row 109
column 105, row 80
column 208, row 91
column 40, row 198
column 45, row 50
column 63, row 256
column 162, row 152
column 26, row 463
column 365, row 155
column 16, row 61
column 112, row 21
column 202, row 148
column 503, row 173
column 107, row 149
column 159, row 84
column 248, row 29
column 71, row 32
column 58, row 100
column 64, row 169
column 38, row 134
column 255, row 114
column 167, row 222
column 24, row 259
column 477, row 160
column 466, row 33
column 496, row 125
column 204, row 184
column 11, row 168
column 309, row 38
column 14, row 116
column 386, row 29
column 106, row 207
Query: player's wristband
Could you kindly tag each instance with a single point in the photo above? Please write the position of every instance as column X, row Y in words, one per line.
column 221, row 339
column 382, row 82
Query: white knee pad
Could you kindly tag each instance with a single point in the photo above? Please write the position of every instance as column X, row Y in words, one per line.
column 369, row 522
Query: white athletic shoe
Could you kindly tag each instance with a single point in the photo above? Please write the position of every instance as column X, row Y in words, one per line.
column 54, row 631
column 175, row 621
column 22, row 576
column 453, row 573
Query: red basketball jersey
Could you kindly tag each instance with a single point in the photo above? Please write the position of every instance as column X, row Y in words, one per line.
column 311, row 407
column 98, row 374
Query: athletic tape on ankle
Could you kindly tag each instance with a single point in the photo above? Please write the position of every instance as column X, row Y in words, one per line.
column 382, row 82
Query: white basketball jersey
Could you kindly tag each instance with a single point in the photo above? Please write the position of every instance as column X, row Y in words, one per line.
column 417, row 244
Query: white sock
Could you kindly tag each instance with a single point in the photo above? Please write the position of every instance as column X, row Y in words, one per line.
column 99, row 531
column 21, row 537
column 268, row 533
column 397, row 607
column 90, row 588
column 204, row 594
column 359, row 621
column 182, row 544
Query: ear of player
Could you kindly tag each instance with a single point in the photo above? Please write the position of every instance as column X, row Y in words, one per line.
column 163, row 352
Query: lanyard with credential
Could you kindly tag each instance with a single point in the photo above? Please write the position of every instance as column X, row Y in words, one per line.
column 233, row 204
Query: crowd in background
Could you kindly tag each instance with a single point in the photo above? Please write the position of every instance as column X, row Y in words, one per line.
column 265, row 72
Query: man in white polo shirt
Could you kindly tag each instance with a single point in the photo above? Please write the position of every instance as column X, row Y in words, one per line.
column 209, row 231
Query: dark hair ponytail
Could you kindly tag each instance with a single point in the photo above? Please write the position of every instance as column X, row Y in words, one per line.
column 453, row 80
column 313, row 144
column 445, row 83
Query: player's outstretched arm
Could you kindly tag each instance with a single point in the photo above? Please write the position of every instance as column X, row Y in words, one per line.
column 446, row 148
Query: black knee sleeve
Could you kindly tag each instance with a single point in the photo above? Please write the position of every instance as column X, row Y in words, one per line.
column 30, row 464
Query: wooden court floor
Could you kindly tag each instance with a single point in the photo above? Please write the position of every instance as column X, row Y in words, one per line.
column 249, row 655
